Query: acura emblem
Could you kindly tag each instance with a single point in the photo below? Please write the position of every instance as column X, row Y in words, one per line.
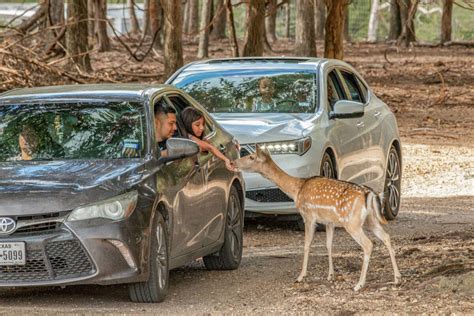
column 7, row 225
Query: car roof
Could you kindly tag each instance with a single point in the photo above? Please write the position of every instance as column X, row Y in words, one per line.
column 82, row 92
column 251, row 63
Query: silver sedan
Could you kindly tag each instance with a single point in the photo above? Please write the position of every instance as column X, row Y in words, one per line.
column 317, row 117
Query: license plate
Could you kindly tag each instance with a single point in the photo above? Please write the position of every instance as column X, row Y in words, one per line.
column 12, row 253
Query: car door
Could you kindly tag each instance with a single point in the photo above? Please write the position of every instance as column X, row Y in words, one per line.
column 182, row 185
column 346, row 134
column 373, row 158
column 207, row 219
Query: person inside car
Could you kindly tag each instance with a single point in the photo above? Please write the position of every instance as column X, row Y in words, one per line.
column 28, row 143
column 194, row 123
column 266, row 101
column 165, row 127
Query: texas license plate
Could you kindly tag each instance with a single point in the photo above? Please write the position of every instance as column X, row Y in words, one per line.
column 12, row 253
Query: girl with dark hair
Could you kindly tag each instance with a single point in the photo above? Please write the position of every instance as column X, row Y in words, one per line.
column 194, row 124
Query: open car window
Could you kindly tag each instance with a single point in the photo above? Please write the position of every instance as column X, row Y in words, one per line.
column 73, row 130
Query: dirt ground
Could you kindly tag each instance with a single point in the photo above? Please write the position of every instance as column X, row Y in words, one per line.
column 431, row 91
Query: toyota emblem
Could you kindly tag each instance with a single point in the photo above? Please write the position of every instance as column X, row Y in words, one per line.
column 7, row 225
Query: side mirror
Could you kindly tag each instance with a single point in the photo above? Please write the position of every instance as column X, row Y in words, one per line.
column 179, row 148
column 347, row 109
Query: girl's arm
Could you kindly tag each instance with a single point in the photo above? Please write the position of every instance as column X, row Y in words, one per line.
column 205, row 146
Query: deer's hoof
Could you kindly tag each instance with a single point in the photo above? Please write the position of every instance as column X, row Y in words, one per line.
column 358, row 287
column 331, row 277
column 299, row 279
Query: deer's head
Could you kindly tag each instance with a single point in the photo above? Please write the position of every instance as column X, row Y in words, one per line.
column 259, row 161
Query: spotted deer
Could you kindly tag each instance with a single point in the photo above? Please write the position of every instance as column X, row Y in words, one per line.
column 330, row 202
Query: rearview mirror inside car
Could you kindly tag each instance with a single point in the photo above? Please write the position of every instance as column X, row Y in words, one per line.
column 347, row 109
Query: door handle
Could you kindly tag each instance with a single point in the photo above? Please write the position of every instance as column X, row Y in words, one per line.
column 360, row 124
column 377, row 114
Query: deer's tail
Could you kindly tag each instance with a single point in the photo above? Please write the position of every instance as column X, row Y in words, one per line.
column 374, row 202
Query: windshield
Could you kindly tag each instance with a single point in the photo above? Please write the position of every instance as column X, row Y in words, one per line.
column 252, row 91
column 79, row 130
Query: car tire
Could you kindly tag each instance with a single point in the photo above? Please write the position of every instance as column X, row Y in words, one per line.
column 230, row 255
column 392, row 185
column 155, row 289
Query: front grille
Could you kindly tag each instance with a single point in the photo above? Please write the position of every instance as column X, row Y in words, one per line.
column 59, row 260
column 40, row 223
column 43, row 227
column 268, row 195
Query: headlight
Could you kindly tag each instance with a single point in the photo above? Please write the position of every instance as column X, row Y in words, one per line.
column 298, row 147
column 116, row 208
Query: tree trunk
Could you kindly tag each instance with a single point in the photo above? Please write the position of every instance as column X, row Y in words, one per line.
column 186, row 16
column 56, row 21
column 156, row 17
column 333, row 39
column 231, row 27
column 103, row 41
column 253, row 45
column 320, row 18
column 287, row 20
column 133, row 17
column 395, row 21
column 373, row 22
column 347, row 34
column 407, row 15
column 77, row 35
column 194, row 17
column 446, row 21
column 218, row 32
column 305, row 43
column 173, row 49
column 91, row 19
column 270, row 20
column 203, row 49
column 146, row 18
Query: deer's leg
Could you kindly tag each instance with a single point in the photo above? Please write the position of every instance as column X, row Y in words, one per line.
column 309, row 226
column 329, row 237
column 367, row 246
column 378, row 231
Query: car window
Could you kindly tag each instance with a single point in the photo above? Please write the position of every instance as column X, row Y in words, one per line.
column 251, row 91
column 334, row 89
column 353, row 86
column 74, row 130
column 180, row 104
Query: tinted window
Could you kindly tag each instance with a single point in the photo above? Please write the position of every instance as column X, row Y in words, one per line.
column 282, row 91
column 77, row 130
column 353, row 86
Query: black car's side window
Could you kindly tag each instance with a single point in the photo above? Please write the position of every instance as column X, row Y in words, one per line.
column 353, row 86
column 334, row 89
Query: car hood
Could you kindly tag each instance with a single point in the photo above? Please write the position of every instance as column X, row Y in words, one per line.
column 45, row 187
column 265, row 127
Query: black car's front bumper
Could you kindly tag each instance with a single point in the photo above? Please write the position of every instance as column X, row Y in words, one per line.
column 96, row 251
